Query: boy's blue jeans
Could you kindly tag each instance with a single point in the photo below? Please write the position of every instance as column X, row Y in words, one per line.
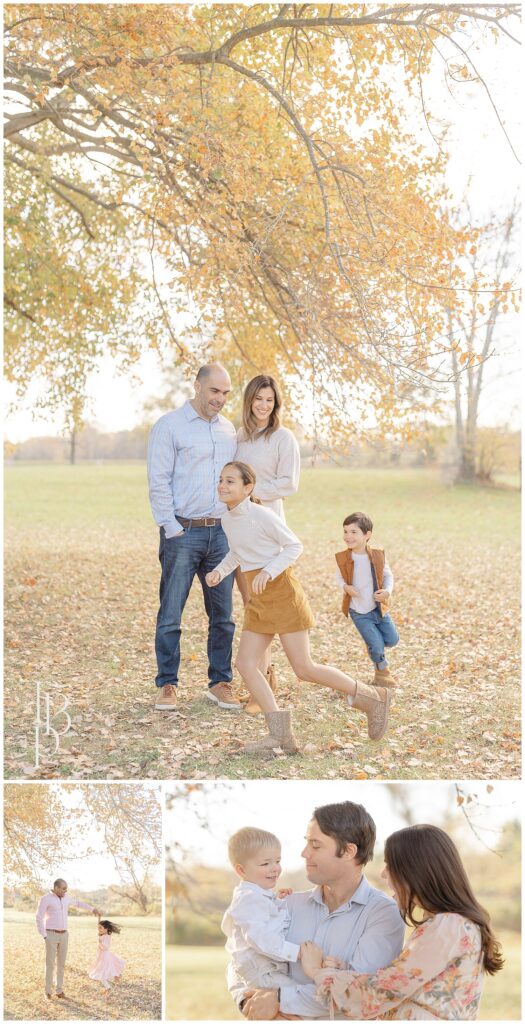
column 193, row 553
column 378, row 631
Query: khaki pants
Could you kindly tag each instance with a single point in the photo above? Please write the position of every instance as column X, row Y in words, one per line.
column 56, row 949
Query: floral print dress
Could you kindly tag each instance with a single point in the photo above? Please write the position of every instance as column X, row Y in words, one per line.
column 438, row 975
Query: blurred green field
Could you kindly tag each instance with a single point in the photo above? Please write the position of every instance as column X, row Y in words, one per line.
column 82, row 580
column 196, row 984
column 136, row 997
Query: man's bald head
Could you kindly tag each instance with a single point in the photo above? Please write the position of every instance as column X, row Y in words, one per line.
column 212, row 387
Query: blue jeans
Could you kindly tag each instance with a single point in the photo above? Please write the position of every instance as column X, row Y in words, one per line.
column 378, row 631
column 194, row 553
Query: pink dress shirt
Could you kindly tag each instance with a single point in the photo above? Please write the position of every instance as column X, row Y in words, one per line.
column 52, row 912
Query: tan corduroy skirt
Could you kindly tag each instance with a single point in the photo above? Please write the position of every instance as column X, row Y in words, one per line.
column 281, row 608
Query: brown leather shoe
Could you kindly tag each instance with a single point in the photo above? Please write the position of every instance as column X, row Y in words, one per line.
column 221, row 695
column 48, row 995
column 167, row 698
column 61, row 995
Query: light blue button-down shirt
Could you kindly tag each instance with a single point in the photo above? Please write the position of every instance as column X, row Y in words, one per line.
column 366, row 932
column 186, row 454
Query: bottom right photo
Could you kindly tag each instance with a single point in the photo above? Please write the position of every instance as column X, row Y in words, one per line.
column 319, row 900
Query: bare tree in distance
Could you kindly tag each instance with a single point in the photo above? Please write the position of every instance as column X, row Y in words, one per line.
column 475, row 322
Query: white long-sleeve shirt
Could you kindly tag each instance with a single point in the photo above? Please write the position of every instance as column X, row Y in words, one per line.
column 52, row 912
column 255, row 925
column 277, row 463
column 363, row 581
column 257, row 539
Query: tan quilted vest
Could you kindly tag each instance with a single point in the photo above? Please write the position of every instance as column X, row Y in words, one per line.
column 346, row 567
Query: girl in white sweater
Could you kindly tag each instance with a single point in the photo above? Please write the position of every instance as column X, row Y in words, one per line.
column 272, row 451
column 265, row 549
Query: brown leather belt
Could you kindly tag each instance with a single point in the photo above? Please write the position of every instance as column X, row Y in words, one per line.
column 58, row 931
column 208, row 521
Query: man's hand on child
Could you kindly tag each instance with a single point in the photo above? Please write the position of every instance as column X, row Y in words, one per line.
column 259, row 582
column 351, row 591
column 213, row 578
column 282, row 893
column 311, row 957
column 382, row 596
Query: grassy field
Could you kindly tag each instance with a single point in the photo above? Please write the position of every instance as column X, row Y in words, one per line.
column 196, row 984
column 136, row 997
column 81, row 600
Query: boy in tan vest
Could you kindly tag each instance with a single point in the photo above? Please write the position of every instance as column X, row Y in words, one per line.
column 367, row 583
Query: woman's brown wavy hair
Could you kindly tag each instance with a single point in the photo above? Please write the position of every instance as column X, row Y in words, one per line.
column 249, row 423
column 427, row 872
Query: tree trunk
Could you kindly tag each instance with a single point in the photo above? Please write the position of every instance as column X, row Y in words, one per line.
column 72, row 447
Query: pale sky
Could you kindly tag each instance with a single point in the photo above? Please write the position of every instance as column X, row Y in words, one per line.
column 481, row 164
column 203, row 822
column 98, row 869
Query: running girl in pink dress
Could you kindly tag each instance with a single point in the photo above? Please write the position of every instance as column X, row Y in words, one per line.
column 107, row 966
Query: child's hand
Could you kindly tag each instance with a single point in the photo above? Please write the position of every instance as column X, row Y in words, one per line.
column 282, row 893
column 382, row 596
column 332, row 961
column 213, row 578
column 351, row 591
column 259, row 582
column 311, row 957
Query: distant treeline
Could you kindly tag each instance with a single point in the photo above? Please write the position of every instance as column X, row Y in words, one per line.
column 499, row 449
column 108, row 901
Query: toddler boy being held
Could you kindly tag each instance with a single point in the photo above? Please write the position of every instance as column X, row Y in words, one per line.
column 367, row 583
column 256, row 922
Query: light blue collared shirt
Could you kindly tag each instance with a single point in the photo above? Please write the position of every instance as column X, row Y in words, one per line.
column 186, row 454
column 366, row 932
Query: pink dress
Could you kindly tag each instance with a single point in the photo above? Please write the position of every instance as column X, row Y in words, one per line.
column 107, row 965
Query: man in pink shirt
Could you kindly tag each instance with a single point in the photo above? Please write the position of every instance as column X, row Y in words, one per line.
column 51, row 921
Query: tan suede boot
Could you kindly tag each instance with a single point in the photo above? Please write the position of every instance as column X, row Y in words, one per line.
column 279, row 735
column 375, row 702
column 252, row 707
column 384, row 677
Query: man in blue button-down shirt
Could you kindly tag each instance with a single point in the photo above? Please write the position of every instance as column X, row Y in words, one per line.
column 187, row 451
column 343, row 915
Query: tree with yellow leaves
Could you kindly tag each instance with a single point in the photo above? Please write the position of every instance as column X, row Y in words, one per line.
column 233, row 180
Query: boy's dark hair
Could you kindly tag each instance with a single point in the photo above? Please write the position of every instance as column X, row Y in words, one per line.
column 348, row 823
column 363, row 522
column 111, row 927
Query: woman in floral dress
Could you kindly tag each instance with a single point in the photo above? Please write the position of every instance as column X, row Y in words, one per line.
column 439, row 974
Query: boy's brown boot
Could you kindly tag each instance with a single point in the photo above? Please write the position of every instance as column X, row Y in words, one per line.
column 375, row 702
column 252, row 707
column 383, row 677
column 279, row 735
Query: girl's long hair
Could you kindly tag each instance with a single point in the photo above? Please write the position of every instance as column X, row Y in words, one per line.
column 427, row 872
column 249, row 423
column 111, row 927
column 247, row 476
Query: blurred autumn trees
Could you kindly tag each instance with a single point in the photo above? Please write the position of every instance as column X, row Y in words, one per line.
column 48, row 827
column 242, row 180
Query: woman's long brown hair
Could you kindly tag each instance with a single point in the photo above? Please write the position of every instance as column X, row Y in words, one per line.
column 249, row 423
column 247, row 474
column 427, row 872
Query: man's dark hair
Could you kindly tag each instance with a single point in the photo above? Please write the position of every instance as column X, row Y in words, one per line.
column 59, row 881
column 363, row 522
column 348, row 823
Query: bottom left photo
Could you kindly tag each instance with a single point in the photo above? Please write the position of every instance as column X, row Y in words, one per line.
column 82, row 901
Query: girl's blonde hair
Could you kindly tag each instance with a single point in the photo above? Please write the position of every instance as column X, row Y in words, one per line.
column 249, row 423
column 247, row 841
